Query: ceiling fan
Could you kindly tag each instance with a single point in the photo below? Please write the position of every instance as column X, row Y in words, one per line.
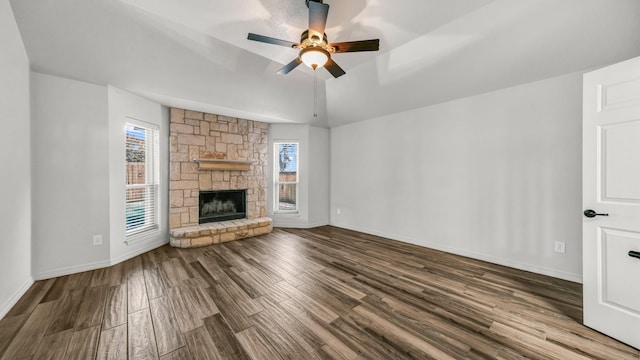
column 315, row 50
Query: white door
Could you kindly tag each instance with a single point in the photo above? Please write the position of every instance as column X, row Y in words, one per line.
column 611, row 185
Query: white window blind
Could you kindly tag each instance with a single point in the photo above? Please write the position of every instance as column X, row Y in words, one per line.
column 142, row 177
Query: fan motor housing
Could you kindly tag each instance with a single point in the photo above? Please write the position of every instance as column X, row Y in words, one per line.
column 314, row 41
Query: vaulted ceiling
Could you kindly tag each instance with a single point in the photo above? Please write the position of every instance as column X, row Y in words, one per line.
column 195, row 53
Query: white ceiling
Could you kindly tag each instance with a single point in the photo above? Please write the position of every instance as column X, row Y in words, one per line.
column 194, row 53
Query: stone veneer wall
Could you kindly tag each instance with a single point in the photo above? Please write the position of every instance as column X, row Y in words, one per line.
column 201, row 135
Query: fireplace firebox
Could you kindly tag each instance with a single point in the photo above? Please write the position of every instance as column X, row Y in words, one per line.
column 221, row 205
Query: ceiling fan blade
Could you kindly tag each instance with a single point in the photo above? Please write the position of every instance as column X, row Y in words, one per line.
column 270, row 40
column 333, row 68
column 290, row 66
column 353, row 46
column 318, row 17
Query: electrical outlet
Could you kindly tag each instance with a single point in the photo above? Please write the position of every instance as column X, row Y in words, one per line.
column 97, row 240
column 558, row 246
column 338, row 211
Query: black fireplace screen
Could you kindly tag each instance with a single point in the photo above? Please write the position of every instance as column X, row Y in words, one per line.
column 222, row 205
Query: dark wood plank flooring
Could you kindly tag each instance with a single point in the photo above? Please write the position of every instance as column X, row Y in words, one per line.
column 323, row 293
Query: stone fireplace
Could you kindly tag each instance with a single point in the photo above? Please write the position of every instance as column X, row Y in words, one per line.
column 213, row 153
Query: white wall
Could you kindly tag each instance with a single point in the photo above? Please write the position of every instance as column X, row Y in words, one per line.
column 78, row 170
column 495, row 176
column 70, row 175
column 313, row 178
column 124, row 105
column 15, row 189
column 318, row 176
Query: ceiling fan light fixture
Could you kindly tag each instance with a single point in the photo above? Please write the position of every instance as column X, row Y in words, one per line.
column 314, row 57
column 315, row 49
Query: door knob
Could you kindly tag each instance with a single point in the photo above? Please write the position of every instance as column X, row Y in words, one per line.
column 635, row 254
column 590, row 213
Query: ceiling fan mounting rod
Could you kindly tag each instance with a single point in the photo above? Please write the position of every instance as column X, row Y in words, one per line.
column 307, row 2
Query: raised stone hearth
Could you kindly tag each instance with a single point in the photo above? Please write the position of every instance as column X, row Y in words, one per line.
column 210, row 152
column 219, row 232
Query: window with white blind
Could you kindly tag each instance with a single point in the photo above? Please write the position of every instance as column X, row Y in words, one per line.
column 286, row 178
column 142, row 178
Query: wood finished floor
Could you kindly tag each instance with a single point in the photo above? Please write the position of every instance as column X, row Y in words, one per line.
column 324, row 293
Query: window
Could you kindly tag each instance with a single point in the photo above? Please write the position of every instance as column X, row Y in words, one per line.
column 142, row 177
column 286, row 179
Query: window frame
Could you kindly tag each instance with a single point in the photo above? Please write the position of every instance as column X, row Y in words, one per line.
column 152, row 178
column 276, row 177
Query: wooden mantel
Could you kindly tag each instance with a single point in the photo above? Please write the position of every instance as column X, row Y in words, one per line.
column 220, row 164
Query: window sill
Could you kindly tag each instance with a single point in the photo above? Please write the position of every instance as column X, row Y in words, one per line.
column 292, row 214
column 142, row 237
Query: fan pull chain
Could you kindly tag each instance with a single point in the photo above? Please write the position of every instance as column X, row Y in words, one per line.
column 315, row 93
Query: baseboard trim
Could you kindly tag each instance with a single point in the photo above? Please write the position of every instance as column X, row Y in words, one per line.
column 98, row 264
column 478, row 256
column 71, row 270
column 13, row 299
column 298, row 225
column 141, row 250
